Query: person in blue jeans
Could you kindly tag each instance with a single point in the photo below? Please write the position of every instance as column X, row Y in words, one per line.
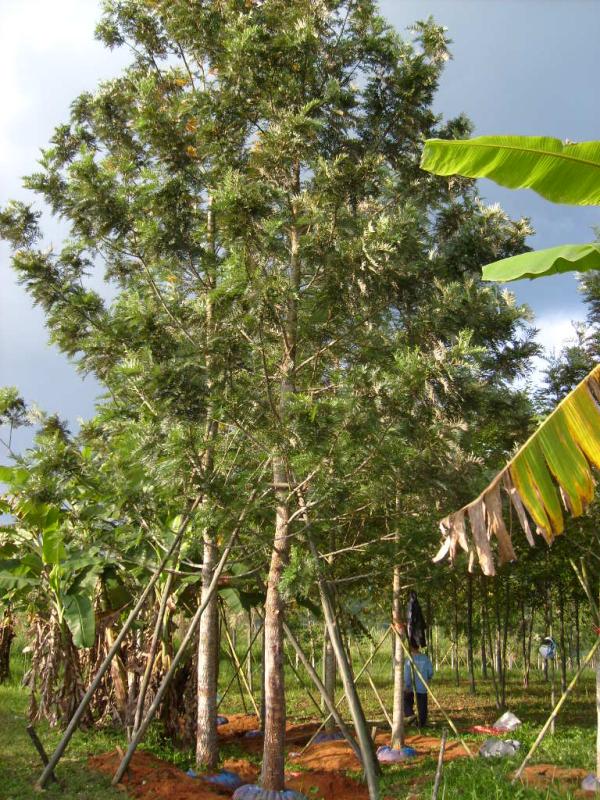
column 425, row 667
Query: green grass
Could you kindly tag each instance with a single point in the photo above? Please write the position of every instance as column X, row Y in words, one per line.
column 573, row 745
column 20, row 764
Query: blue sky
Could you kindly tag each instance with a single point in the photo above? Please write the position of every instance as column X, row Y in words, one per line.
column 519, row 66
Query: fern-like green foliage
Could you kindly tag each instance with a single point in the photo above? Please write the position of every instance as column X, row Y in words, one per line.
column 564, row 258
column 562, row 173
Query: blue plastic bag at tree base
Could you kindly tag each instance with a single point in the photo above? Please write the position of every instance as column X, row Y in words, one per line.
column 222, row 720
column 390, row 755
column 253, row 792
column 335, row 736
column 253, row 734
column 224, row 780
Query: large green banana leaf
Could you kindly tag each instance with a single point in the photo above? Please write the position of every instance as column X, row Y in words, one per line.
column 551, row 474
column 562, row 173
column 564, row 258
column 79, row 615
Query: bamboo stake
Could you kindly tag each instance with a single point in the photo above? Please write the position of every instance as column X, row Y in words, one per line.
column 40, row 748
column 555, row 710
column 85, row 700
column 343, row 697
column 182, row 647
column 243, row 661
column 329, row 701
column 240, row 671
column 377, row 695
column 440, row 765
column 434, row 698
column 311, row 696
column 139, row 710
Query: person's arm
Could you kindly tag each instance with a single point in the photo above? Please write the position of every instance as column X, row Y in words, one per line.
column 429, row 670
column 407, row 675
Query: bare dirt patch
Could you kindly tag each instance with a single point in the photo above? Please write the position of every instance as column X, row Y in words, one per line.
column 542, row 776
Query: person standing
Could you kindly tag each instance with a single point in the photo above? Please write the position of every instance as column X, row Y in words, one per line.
column 413, row 685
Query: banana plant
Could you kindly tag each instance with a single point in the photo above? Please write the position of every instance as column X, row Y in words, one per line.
column 560, row 172
column 550, row 473
column 38, row 565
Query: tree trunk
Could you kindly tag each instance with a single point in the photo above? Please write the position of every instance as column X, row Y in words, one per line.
column 7, row 634
column 329, row 675
column 398, row 659
column 207, row 749
column 455, row 640
column 577, row 633
column 272, row 775
column 249, row 675
column 563, row 648
column 484, row 671
column 470, row 659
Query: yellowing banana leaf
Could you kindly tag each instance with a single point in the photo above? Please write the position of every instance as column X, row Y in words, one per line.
column 564, row 258
column 551, row 470
column 562, row 173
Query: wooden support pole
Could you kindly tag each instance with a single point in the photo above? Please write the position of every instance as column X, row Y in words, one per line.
column 139, row 709
column 555, row 711
column 183, row 646
column 239, row 668
column 377, row 695
column 40, row 748
column 440, row 766
column 343, row 697
column 243, row 661
column 85, row 700
column 311, row 696
column 329, row 701
column 434, row 698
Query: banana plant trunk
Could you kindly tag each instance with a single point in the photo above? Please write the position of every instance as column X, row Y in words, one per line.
column 7, row 634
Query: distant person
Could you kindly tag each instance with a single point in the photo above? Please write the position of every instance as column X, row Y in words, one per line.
column 425, row 667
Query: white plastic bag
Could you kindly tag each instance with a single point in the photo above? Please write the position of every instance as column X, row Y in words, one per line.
column 507, row 722
column 499, row 748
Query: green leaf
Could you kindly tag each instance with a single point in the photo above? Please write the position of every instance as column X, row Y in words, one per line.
column 53, row 549
column 15, row 575
column 562, row 173
column 79, row 616
column 564, row 258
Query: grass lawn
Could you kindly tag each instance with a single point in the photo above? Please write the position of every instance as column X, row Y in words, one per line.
column 20, row 764
column 573, row 745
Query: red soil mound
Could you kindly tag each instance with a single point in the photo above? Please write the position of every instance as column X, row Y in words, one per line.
column 337, row 756
column 149, row 778
column 541, row 776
